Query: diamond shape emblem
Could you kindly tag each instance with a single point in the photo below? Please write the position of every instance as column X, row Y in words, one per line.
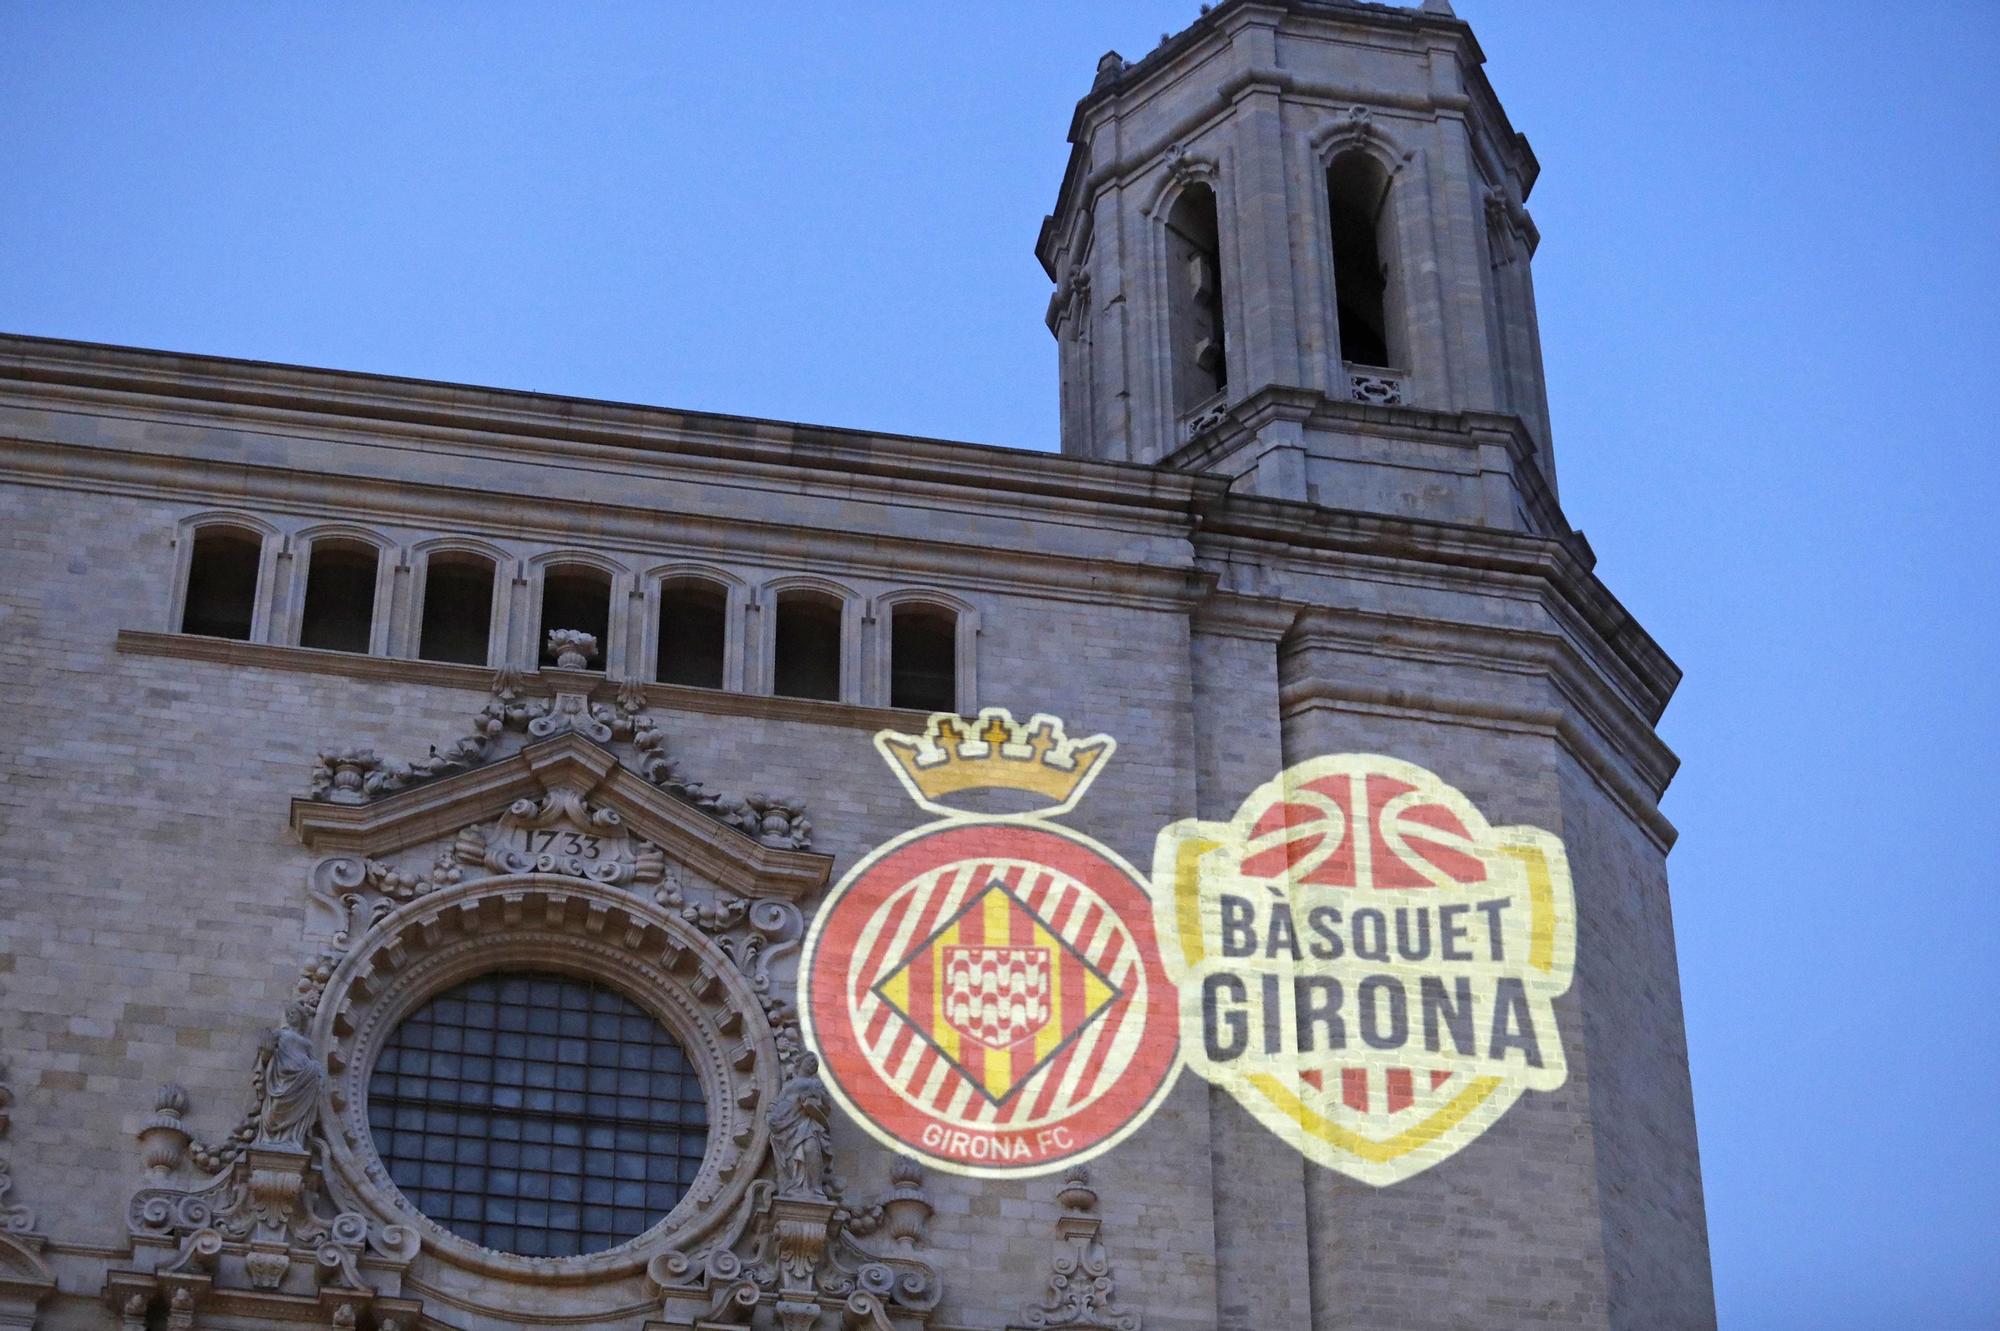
column 997, row 992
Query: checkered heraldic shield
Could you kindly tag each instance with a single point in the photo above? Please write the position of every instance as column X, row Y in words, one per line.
column 989, row 995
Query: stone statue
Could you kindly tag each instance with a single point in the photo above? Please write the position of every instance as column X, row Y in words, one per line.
column 800, row 1134
column 292, row 1077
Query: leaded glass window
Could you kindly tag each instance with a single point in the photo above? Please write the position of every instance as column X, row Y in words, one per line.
column 538, row 1114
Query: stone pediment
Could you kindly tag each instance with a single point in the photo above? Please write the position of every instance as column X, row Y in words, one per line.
column 563, row 805
column 25, row 1279
column 512, row 719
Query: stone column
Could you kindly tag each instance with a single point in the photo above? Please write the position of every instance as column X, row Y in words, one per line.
column 1263, row 1277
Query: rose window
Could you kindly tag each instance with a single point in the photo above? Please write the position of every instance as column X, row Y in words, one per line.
column 538, row 1114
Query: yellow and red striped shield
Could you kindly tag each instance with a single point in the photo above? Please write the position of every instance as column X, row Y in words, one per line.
column 989, row 995
column 997, row 991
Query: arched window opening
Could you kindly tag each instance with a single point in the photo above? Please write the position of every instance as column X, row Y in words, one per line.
column 1357, row 192
column 340, row 596
column 458, row 608
column 694, row 624
column 923, row 658
column 1194, row 299
column 576, row 596
column 221, row 600
column 807, row 650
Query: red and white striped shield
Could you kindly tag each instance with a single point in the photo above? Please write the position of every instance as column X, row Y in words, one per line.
column 989, row 995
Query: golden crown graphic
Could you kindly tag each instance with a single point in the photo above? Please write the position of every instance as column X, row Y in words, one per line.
column 955, row 755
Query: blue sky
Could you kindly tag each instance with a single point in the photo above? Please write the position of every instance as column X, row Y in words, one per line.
column 1766, row 283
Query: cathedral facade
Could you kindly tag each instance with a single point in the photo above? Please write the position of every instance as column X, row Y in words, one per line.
column 431, row 813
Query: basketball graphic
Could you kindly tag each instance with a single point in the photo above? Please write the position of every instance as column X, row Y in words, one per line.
column 987, row 993
column 1361, row 829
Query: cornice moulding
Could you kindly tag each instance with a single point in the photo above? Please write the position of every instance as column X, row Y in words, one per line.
column 1575, row 740
column 1246, row 524
column 1001, row 492
column 383, row 405
column 1552, row 655
column 1596, row 724
column 1465, row 432
column 26, row 1280
column 1227, row 615
column 479, row 679
column 1258, row 528
column 1173, row 508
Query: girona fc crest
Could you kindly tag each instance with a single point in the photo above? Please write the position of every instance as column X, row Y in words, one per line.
column 1372, row 967
column 986, row 992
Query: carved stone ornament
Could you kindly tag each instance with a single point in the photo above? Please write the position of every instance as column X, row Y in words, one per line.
column 564, row 807
column 1181, row 169
column 1359, row 127
column 572, row 648
column 551, row 855
column 1072, row 299
column 292, row 1216
column 1511, row 232
column 25, row 1278
column 14, row 1217
column 1081, row 1293
column 1375, row 388
column 1205, row 421
column 511, row 719
column 802, row 1250
column 710, row 951
column 260, row 1231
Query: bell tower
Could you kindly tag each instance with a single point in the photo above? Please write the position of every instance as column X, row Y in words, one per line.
column 1291, row 246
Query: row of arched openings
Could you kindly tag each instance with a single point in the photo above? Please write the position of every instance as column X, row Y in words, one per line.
column 1361, row 242
column 338, row 614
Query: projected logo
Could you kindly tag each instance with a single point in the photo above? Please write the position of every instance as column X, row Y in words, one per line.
column 1371, row 967
column 986, row 991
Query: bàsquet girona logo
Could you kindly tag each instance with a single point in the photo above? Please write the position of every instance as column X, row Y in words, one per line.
column 1358, row 957
column 1371, row 967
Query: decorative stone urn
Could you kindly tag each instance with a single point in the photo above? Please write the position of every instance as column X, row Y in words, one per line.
column 572, row 648
column 163, row 1138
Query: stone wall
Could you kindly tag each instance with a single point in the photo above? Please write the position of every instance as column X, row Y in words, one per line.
column 157, row 906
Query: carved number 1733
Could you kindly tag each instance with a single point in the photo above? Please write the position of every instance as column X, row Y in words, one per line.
column 556, row 841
